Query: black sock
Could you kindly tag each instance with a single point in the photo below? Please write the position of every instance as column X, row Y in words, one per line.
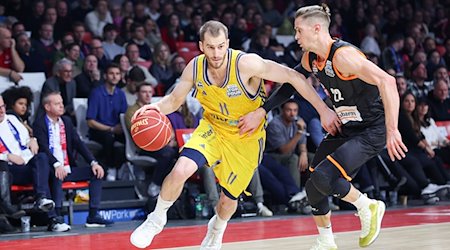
column 92, row 212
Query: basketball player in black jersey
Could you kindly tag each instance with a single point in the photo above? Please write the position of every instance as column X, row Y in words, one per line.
column 365, row 99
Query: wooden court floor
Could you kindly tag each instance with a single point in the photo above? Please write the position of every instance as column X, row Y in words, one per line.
column 426, row 228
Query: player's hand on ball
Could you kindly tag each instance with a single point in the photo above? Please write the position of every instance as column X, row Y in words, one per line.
column 144, row 109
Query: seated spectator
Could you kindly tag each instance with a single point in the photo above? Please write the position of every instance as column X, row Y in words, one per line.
column 166, row 156
column 418, row 84
column 31, row 58
column 18, row 101
column 418, row 149
column 27, row 165
column 160, row 68
column 62, row 82
column 10, row 62
column 89, row 78
column 286, row 140
column 105, row 104
column 437, row 141
column 279, row 182
column 152, row 33
column 442, row 73
column 134, row 78
column 45, row 46
column 72, row 53
column 110, row 46
column 98, row 18
column 59, row 140
column 97, row 51
column 132, row 52
column 401, row 84
column 440, row 102
column 435, row 61
column 138, row 38
column 177, row 64
column 172, row 32
column 390, row 57
column 79, row 31
column 260, row 46
column 124, row 64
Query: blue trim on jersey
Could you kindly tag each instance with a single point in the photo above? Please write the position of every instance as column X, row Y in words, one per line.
column 227, row 76
column 238, row 76
column 228, row 194
column 194, row 93
column 194, row 155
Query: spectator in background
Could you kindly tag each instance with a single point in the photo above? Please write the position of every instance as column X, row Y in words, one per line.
column 18, row 102
column 391, row 58
column 72, row 53
column 260, row 46
column 440, row 102
column 271, row 15
column 10, row 62
column 370, row 44
column 98, row 18
column 125, row 33
column 97, row 51
column 89, row 78
column 79, row 31
column 165, row 156
column 442, row 73
column 177, row 64
column 402, row 86
column 139, row 12
column 134, row 77
column 160, row 68
column 33, row 20
column 27, row 165
column 105, row 104
column 51, row 17
column 124, row 64
column 138, row 38
column 434, row 62
column 408, row 51
column 62, row 81
column 132, row 52
column 17, row 28
column 110, row 47
column 65, row 40
column 60, row 142
column 79, row 13
column 191, row 31
column 64, row 19
column 239, row 34
column 31, row 58
column 418, row 84
column 152, row 33
column 286, row 140
column 45, row 46
column 172, row 33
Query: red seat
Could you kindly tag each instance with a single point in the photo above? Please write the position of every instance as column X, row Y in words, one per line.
column 186, row 46
column 446, row 125
column 65, row 186
column 183, row 135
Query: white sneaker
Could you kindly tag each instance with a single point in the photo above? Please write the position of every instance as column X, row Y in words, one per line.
column 111, row 174
column 265, row 212
column 370, row 217
column 324, row 243
column 298, row 196
column 213, row 238
column 432, row 189
column 143, row 235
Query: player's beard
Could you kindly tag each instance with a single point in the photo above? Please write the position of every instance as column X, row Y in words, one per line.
column 213, row 65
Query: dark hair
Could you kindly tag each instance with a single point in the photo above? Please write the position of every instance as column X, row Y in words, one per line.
column 117, row 58
column 11, row 95
column 288, row 101
column 414, row 116
column 136, row 74
column 110, row 66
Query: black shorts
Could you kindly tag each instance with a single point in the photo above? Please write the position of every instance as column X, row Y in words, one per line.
column 351, row 151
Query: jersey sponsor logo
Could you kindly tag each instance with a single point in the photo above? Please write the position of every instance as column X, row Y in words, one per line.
column 337, row 95
column 207, row 133
column 348, row 114
column 199, row 84
column 329, row 69
column 224, row 119
column 233, row 91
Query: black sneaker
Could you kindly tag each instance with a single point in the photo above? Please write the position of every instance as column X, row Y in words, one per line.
column 56, row 224
column 97, row 221
column 44, row 204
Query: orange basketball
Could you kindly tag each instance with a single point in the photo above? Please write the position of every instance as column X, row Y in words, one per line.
column 151, row 130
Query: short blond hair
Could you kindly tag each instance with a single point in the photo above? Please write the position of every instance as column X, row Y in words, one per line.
column 213, row 28
column 318, row 11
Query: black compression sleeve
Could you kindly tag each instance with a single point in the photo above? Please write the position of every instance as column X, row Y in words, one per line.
column 278, row 97
column 299, row 68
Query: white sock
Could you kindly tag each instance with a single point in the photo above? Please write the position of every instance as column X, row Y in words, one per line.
column 259, row 205
column 362, row 201
column 219, row 223
column 161, row 207
column 326, row 232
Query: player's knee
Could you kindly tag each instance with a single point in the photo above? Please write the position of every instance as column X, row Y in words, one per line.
column 183, row 169
column 322, row 181
column 316, row 199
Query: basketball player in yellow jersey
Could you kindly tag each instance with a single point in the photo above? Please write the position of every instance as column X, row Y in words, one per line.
column 228, row 85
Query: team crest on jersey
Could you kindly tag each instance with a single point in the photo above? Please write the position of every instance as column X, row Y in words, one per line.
column 329, row 69
column 233, row 91
column 199, row 84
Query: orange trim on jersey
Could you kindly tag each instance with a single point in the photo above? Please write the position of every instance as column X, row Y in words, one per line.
column 339, row 167
column 306, row 55
column 320, row 65
column 345, row 78
column 311, row 169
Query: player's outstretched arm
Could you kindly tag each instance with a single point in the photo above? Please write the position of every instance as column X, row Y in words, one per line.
column 171, row 102
column 349, row 61
column 253, row 65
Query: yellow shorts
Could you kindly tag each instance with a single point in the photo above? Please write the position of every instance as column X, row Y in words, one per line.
column 233, row 160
